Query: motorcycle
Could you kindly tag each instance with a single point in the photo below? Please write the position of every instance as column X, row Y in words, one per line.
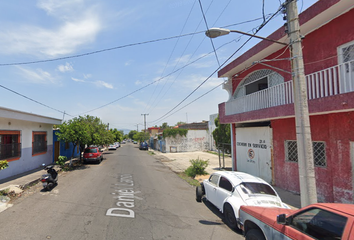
column 51, row 179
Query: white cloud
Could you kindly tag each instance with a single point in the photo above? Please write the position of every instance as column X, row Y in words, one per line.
column 104, row 84
column 77, row 80
column 36, row 76
column 55, row 6
column 86, row 76
column 127, row 63
column 194, row 80
column 137, row 82
column 66, row 68
column 67, row 34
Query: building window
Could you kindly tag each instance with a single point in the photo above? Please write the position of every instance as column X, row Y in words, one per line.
column 319, row 153
column 39, row 143
column 10, row 145
column 346, row 56
column 258, row 81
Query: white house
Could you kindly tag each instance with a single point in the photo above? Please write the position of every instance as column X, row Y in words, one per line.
column 26, row 141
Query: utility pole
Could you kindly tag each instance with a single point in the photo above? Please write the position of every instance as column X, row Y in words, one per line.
column 144, row 114
column 307, row 178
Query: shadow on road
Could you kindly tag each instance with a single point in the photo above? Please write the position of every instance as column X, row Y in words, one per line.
column 218, row 214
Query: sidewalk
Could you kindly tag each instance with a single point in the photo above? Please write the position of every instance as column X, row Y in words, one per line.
column 19, row 182
column 177, row 162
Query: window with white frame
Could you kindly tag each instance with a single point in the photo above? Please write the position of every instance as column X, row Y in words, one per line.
column 319, row 153
column 346, row 56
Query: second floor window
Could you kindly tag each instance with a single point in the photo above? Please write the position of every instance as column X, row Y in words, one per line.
column 346, row 56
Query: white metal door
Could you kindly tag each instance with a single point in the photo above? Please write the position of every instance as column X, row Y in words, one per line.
column 253, row 151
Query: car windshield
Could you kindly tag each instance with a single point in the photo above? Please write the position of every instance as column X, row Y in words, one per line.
column 257, row 188
column 91, row 150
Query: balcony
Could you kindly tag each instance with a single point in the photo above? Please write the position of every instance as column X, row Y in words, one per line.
column 329, row 82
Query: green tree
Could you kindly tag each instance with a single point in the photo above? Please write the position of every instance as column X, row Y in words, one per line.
column 118, row 135
column 222, row 135
column 164, row 126
column 141, row 136
column 132, row 133
column 180, row 123
column 81, row 131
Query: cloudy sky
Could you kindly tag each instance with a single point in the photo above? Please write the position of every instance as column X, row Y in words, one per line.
column 120, row 59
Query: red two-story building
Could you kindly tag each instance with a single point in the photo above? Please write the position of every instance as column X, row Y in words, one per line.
column 261, row 103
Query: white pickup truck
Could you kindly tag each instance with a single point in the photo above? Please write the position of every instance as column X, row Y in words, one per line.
column 325, row 221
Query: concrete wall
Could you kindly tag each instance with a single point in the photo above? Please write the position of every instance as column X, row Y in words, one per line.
column 196, row 140
column 27, row 161
column 212, row 127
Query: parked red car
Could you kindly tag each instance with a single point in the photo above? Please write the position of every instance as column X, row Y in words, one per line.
column 315, row 221
column 93, row 154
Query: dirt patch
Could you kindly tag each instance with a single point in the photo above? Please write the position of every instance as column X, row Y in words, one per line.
column 201, row 178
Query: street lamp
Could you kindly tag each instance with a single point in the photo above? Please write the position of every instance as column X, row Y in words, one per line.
column 216, row 32
column 307, row 178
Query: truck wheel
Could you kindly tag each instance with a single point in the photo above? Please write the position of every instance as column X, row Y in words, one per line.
column 230, row 217
column 254, row 234
column 199, row 193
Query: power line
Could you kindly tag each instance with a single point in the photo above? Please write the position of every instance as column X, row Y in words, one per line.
column 206, row 24
column 257, row 30
column 34, row 100
column 167, row 63
column 182, row 54
column 113, row 48
column 193, row 101
column 139, row 89
column 110, row 49
column 98, row 51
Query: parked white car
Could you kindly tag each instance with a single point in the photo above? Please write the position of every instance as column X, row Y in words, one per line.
column 228, row 191
column 112, row 147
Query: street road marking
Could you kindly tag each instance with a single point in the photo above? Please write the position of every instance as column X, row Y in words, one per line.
column 124, row 192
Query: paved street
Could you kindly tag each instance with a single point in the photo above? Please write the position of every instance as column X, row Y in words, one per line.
column 130, row 195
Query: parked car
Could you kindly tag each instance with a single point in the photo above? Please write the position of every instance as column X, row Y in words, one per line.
column 315, row 221
column 228, row 191
column 135, row 142
column 144, row 146
column 92, row 154
column 117, row 144
column 112, row 147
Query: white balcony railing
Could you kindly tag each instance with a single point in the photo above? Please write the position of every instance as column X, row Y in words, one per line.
column 328, row 82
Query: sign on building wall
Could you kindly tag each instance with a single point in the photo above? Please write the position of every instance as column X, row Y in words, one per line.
column 253, row 151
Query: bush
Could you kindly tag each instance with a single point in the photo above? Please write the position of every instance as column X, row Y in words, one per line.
column 197, row 168
column 61, row 161
column 3, row 164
